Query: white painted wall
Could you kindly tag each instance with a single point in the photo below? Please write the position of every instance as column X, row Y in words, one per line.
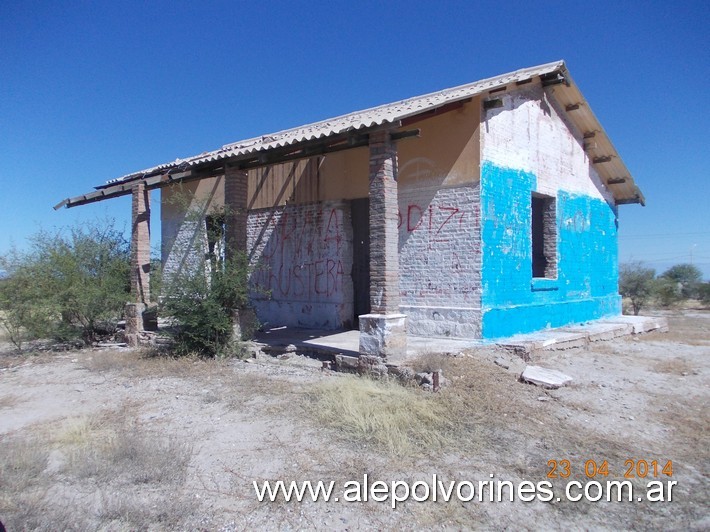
column 531, row 133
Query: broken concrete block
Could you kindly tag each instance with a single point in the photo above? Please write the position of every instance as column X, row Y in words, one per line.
column 547, row 378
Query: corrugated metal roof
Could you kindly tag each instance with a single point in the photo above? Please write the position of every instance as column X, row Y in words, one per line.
column 375, row 116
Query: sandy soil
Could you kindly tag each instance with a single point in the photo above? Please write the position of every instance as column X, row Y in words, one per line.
column 636, row 398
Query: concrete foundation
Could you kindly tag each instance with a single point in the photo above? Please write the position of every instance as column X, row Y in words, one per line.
column 383, row 335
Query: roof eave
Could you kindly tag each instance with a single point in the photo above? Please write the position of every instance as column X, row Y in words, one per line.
column 598, row 146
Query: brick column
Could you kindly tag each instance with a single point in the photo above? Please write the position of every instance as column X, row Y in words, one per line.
column 383, row 331
column 140, row 261
column 235, row 202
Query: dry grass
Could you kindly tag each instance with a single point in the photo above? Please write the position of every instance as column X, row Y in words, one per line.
column 483, row 422
column 111, row 447
column 130, row 457
column 99, row 468
column 142, row 363
column 689, row 422
column 405, row 420
column 21, row 463
column 395, row 419
column 675, row 366
column 105, row 462
column 693, row 332
column 79, row 431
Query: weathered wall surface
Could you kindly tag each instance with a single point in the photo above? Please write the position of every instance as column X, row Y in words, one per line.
column 183, row 235
column 528, row 146
column 279, row 184
column 440, row 281
column 303, row 260
column 439, row 226
column 300, row 230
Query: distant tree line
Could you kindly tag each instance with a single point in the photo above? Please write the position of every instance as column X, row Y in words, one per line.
column 640, row 285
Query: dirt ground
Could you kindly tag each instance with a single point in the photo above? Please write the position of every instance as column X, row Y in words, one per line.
column 109, row 439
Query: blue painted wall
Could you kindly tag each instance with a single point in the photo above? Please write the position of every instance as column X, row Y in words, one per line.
column 586, row 287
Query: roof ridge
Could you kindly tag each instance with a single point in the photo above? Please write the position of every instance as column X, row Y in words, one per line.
column 364, row 118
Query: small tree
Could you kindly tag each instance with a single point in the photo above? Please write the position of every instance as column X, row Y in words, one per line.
column 24, row 313
column 636, row 283
column 687, row 275
column 68, row 284
column 203, row 305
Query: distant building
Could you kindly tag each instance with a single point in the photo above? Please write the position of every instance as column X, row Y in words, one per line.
column 479, row 211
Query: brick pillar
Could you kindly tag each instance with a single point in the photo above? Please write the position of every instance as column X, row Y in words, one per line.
column 235, row 202
column 383, row 331
column 140, row 261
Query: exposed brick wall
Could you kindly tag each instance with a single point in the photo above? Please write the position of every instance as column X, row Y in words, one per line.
column 140, row 244
column 302, row 256
column 440, row 256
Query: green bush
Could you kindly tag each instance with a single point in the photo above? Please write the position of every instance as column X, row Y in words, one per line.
column 203, row 295
column 636, row 283
column 24, row 314
column 203, row 305
column 156, row 279
column 667, row 292
column 704, row 293
column 68, row 284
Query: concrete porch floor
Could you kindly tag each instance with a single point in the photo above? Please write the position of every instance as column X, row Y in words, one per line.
column 329, row 343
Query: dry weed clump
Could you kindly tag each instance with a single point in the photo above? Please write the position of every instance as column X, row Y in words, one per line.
column 113, row 474
column 21, row 462
column 695, row 332
column 675, row 366
column 396, row 419
column 146, row 363
column 125, row 454
column 137, row 511
column 405, row 420
column 428, row 362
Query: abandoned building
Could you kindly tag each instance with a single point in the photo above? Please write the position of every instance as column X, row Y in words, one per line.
column 479, row 211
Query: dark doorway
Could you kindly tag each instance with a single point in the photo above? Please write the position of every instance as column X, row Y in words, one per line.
column 360, row 214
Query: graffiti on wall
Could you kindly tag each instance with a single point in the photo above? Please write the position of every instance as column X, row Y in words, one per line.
column 438, row 247
column 301, row 252
column 434, row 219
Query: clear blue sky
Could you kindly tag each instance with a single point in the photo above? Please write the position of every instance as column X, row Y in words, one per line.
column 90, row 91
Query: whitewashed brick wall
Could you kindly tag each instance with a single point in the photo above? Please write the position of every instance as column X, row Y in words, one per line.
column 439, row 246
column 303, row 260
column 531, row 133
